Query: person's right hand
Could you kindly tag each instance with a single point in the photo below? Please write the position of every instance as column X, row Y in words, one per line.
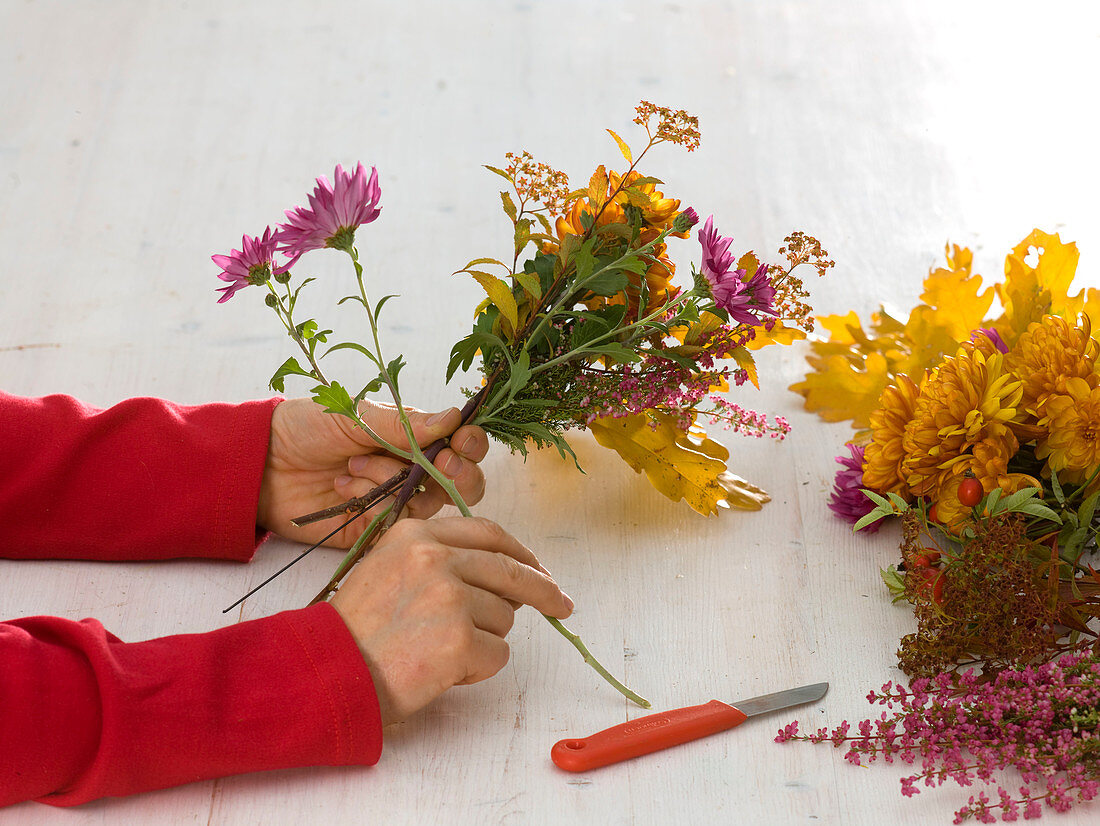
column 430, row 606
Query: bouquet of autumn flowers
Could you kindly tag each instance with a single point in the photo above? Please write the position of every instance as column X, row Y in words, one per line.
column 582, row 326
column 981, row 431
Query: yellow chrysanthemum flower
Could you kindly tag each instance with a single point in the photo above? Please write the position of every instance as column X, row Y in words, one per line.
column 1072, row 420
column 882, row 460
column 968, row 399
column 1047, row 355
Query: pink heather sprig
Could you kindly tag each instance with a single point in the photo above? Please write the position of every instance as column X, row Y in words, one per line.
column 746, row 422
column 1042, row 722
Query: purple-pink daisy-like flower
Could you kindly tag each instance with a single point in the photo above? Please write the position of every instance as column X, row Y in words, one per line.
column 335, row 211
column 993, row 336
column 252, row 265
column 744, row 300
column 848, row 501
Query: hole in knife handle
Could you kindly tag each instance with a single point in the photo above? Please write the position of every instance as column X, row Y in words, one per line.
column 574, row 744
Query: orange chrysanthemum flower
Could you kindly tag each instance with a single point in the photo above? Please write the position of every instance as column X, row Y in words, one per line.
column 968, row 399
column 1047, row 355
column 882, row 460
column 658, row 213
column 1072, row 420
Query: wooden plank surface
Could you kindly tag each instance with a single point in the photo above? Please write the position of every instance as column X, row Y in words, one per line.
column 136, row 139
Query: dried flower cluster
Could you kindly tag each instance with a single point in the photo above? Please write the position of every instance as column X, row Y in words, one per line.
column 673, row 126
column 536, row 181
column 1043, row 723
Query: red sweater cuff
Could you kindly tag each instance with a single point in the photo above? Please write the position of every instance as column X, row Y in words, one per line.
column 286, row 691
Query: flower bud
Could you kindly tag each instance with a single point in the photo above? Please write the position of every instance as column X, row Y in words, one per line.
column 282, row 277
column 271, row 300
column 685, row 220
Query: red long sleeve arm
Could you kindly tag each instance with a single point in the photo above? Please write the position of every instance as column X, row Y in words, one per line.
column 84, row 715
column 144, row 479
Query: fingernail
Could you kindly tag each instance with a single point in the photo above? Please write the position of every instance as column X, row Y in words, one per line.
column 357, row 464
column 568, row 601
column 453, row 465
column 340, row 481
column 438, row 417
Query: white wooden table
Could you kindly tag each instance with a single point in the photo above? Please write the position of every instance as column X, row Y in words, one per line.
column 136, row 139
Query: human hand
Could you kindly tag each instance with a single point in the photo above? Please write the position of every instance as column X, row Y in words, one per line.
column 316, row 460
column 430, row 606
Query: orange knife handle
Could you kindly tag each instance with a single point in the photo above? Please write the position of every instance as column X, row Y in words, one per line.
column 644, row 735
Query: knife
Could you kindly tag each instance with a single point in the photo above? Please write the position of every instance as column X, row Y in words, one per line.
column 671, row 728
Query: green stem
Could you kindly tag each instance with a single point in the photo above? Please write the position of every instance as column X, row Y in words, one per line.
column 595, row 664
column 418, row 457
column 572, row 354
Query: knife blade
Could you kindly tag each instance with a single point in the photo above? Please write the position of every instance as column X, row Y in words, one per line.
column 671, row 728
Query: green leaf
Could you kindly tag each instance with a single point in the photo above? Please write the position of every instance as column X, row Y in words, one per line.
column 992, row 500
column 868, row 519
column 1040, row 510
column 335, row 399
column 615, row 352
column 290, row 367
column 351, row 345
column 607, row 283
column 900, row 505
column 306, row 329
column 519, row 374
column 588, row 331
column 878, row 499
column 1056, row 487
column 583, row 261
column 647, row 180
column 530, row 284
column 394, row 367
column 1013, row 501
column 1088, row 509
column 378, row 307
column 894, row 580
column 372, row 386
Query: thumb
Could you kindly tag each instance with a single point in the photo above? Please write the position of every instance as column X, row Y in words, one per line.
column 385, row 420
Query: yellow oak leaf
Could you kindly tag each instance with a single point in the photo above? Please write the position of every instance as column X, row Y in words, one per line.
column 955, row 296
column 839, row 390
column 780, row 333
column 679, row 464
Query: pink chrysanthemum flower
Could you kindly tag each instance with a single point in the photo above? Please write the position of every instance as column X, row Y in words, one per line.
column 252, row 265
column 335, row 210
column 744, row 300
column 848, row 500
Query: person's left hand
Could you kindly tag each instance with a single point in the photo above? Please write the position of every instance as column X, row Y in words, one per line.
column 316, row 460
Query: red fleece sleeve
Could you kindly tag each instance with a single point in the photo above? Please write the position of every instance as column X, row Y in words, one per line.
column 145, row 479
column 84, row 715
